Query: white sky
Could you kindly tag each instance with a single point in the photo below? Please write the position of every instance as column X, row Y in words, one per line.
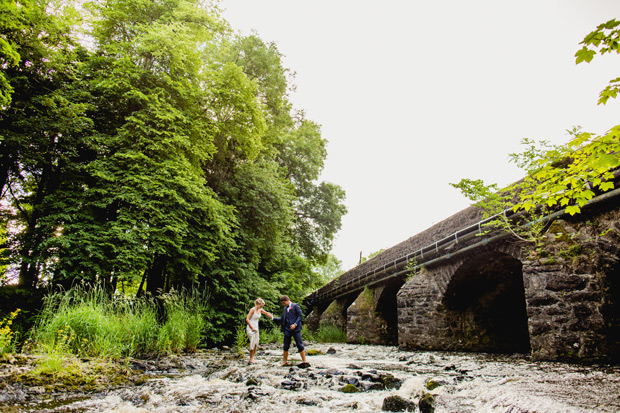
column 413, row 95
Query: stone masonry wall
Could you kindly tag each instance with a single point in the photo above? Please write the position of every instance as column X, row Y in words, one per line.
column 422, row 316
column 334, row 315
column 364, row 323
column 572, row 293
column 571, row 306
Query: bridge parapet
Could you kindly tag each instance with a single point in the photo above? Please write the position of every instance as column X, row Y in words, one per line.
column 424, row 245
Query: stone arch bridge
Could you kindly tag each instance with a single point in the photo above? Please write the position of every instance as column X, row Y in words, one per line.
column 451, row 287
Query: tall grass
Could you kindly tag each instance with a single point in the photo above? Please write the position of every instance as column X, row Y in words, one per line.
column 185, row 321
column 89, row 323
column 241, row 340
column 272, row 335
column 327, row 334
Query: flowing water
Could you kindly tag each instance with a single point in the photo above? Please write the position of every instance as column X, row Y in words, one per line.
column 215, row 381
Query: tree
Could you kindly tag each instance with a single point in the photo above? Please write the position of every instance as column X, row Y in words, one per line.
column 147, row 210
column 11, row 23
column 164, row 153
column 558, row 176
column 39, row 127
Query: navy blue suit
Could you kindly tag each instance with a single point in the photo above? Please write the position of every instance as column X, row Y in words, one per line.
column 291, row 315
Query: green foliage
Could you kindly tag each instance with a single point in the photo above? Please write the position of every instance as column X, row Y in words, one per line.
column 185, row 320
column 271, row 335
column 413, row 268
column 7, row 336
column 327, row 334
column 328, row 271
column 241, row 339
column 568, row 175
column 605, row 39
column 557, row 176
column 11, row 23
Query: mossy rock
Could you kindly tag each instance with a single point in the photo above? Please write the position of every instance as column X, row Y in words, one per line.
column 432, row 384
column 314, row 352
column 350, row 388
column 427, row 403
column 559, row 232
column 398, row 404
column 76, row 375
column 252, row 382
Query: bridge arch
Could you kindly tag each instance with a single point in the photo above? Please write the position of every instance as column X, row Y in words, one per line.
column 388, row 309
column 484, row 304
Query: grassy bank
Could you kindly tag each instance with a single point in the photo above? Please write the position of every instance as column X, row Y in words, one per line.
column 92, row 324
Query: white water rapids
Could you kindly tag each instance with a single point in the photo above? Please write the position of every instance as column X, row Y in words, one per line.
column 218, row 382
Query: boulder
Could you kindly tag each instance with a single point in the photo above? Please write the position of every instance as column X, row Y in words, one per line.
column 350, row 388
column 398, row 404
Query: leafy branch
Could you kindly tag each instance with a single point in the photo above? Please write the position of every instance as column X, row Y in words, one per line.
column 557, row 176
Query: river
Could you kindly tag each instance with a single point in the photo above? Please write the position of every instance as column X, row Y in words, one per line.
column 216, row 381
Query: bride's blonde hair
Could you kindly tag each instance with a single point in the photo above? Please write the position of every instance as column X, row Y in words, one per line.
column 259, row 301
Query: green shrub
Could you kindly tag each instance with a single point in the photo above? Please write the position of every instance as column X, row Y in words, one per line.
column 241, row 340
column 7, row 336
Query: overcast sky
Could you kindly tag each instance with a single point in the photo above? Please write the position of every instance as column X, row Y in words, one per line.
column 413, row 95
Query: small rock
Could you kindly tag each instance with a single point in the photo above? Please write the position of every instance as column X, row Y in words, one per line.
column 291, row 385
column 138, row 365
column 252, row 382
column 335, row 372
column 390, row 382
column 307, row 402
column 254, row 393
column 372, row 386
column 398, row 404
column 370, row 377
column 9, row 358
column 331, row 350
column 427, row 403
column 303, row 365
column 351, row 380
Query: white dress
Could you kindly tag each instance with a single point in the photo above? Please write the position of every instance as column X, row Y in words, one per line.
column 253, row 335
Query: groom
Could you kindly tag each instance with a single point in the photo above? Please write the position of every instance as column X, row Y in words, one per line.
column 291, row 326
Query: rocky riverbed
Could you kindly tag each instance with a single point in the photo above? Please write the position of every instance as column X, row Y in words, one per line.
column 340, row 378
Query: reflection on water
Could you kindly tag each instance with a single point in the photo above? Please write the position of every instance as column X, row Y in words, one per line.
column 466, row 383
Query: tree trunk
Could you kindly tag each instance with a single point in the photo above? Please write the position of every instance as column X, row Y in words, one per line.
column 156, row 275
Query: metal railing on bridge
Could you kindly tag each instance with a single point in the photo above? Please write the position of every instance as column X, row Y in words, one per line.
column 443, row 249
